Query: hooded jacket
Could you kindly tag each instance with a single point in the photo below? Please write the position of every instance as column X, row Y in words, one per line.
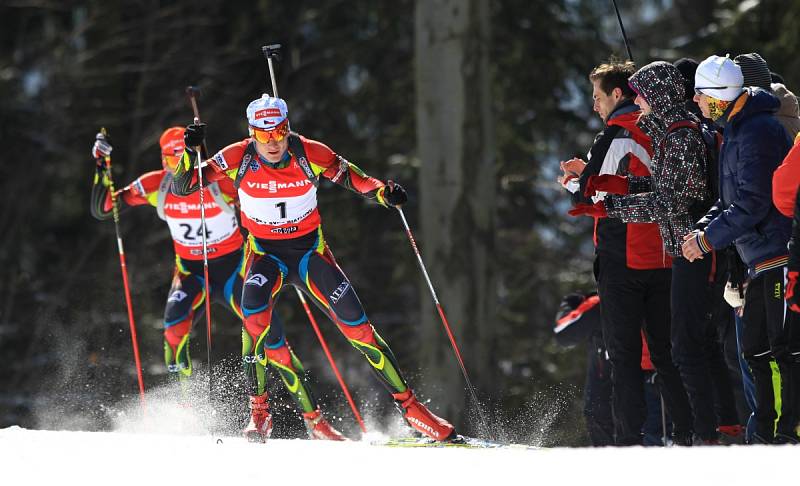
column 754, row 144
column 674, row 195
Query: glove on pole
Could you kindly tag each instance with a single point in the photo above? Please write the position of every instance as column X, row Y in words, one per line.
column 273, row 51
column 193, row 92
column 444, row 320
column 115, row 211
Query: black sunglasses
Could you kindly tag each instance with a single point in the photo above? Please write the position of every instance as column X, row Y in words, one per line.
column 697, row 90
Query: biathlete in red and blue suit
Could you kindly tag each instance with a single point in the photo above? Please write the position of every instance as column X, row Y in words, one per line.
column 276, row 174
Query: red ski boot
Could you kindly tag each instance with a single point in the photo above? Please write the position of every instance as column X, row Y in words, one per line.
column 319, row 428
column 260, row 426
column 421, row 419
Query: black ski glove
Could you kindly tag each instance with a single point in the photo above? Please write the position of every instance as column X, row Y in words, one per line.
column 394, row 194
column 194, row 135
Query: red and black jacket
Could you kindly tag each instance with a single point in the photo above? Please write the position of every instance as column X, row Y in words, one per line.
column 623, row 149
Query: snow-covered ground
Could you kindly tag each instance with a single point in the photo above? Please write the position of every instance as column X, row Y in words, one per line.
column 171, row 444
column 37, row 457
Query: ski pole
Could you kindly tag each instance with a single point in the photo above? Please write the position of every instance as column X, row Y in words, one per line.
column 622, row 28
column 443, row 318
column 193, row 93
column 270, row 52
column 124, row 268
column 273, row 51
column 328, row 354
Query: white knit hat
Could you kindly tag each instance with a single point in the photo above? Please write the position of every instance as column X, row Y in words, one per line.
column 720, row 78
column 267, row 112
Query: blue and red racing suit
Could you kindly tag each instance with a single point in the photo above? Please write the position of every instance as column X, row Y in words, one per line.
column 279, row 209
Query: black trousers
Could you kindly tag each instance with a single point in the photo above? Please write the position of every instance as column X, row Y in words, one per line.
column 695, row 348
column 597, row 394
column 726, row 375
column 633, row 301
column 771, row 332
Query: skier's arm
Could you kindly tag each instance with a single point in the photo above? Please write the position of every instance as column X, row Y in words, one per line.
column 101, row 205
column 327, row 163
column 142, row 191
column 185, row 180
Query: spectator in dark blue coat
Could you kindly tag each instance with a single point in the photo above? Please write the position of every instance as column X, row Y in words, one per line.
column 754, row 145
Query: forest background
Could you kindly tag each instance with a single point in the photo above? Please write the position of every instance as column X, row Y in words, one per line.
column 469, row 104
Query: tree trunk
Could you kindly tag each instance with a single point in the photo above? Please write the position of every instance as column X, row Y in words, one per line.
column 457, row 197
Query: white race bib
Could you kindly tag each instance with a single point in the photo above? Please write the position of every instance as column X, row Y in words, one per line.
column 279, row 211
column 186, row 231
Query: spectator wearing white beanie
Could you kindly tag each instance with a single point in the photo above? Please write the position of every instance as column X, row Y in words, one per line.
column 720, row 81
column 719, row 77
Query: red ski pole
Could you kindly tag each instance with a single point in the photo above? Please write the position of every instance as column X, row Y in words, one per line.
column 443, row 318
column 331, row 361
column 124, row 267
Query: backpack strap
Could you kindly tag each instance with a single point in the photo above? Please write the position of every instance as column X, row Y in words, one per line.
column 249, row 153
column 299, row 151
column 677, row 126
column 163, row 190
column 682, row 124
column 216, row 193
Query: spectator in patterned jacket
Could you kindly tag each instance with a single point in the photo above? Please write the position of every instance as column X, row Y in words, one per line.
column 674, row 197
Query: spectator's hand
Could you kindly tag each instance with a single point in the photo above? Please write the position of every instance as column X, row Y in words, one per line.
column 792, row 299
column 693, row 247
column 612, row 184
column 194, row 135
column 573, row 166
column 394, row 194
column 597, row 210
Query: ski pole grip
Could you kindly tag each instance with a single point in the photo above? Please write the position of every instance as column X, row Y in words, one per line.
column 271, row 51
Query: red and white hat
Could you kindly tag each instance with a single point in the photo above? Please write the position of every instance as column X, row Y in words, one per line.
column 171, row 141
column 267, row 112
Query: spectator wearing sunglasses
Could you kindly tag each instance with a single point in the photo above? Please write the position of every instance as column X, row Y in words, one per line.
column 754, row 145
